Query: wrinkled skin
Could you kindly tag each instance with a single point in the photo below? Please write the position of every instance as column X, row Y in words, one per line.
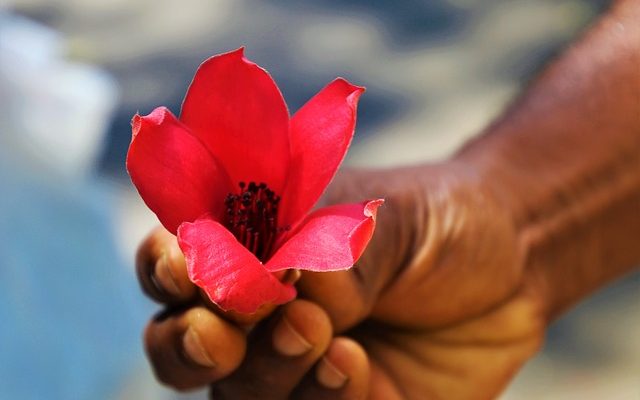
column 438, row 307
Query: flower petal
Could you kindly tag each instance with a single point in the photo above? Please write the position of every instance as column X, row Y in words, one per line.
column 174, row 173
column 330, row 239
column 320, row 134
column 237, row 110
column 232, row 276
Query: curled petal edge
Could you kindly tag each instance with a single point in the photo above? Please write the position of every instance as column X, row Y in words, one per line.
column 321, row 133
column 330, row 239
column 231, row 276
column 175, row 174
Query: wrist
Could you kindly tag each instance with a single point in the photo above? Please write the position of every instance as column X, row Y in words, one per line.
column 564, row 162
column 575, row 217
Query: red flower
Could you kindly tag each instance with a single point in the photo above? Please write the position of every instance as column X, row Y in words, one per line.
column 235, row 177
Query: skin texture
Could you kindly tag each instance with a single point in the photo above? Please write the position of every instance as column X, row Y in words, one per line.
column 471, row 259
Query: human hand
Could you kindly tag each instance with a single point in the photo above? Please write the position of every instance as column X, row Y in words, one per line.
column 439, row 306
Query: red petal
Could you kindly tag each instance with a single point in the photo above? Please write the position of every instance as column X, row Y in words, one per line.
column 236, row 109
column 173, row 171
column 320, row 135
column 232, row 276
column 330, row 239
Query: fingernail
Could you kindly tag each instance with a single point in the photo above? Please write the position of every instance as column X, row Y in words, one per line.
column 291, row 276
column 330, row 376
column 193, row 349
column 163, row 277
column 287, row 341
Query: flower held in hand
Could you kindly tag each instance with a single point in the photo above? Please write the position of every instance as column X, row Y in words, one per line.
column 234, row 177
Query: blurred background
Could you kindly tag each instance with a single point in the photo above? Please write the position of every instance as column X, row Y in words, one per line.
column 72, row 74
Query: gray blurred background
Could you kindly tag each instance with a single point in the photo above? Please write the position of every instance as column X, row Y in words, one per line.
column 72, row 74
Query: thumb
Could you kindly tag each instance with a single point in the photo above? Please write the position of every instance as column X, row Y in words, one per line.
column 344, row 295
column 351, row 296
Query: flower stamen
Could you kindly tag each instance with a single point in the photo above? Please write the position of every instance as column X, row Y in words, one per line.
column 252, row 217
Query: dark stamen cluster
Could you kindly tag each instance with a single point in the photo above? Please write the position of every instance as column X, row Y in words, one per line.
column 252, row 216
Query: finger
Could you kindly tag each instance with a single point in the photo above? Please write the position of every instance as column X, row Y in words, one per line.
column 343, row 373
column 161, row 269
column 193, row 348
column 280, row 354
column 344, row 295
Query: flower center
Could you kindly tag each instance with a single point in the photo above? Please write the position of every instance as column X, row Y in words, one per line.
column 252, row 217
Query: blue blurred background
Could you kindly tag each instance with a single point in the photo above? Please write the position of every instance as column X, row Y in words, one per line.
column 73, row 72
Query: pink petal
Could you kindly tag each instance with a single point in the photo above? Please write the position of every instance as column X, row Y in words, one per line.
column 320, row 134
column 232, row 276
column 176, row 176
column 237, row 110
column 330, row 239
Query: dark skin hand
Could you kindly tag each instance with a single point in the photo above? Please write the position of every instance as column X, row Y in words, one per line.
column 471, row 259
column 426, row 319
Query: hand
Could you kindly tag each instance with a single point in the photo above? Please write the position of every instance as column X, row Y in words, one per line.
column 439, row 306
